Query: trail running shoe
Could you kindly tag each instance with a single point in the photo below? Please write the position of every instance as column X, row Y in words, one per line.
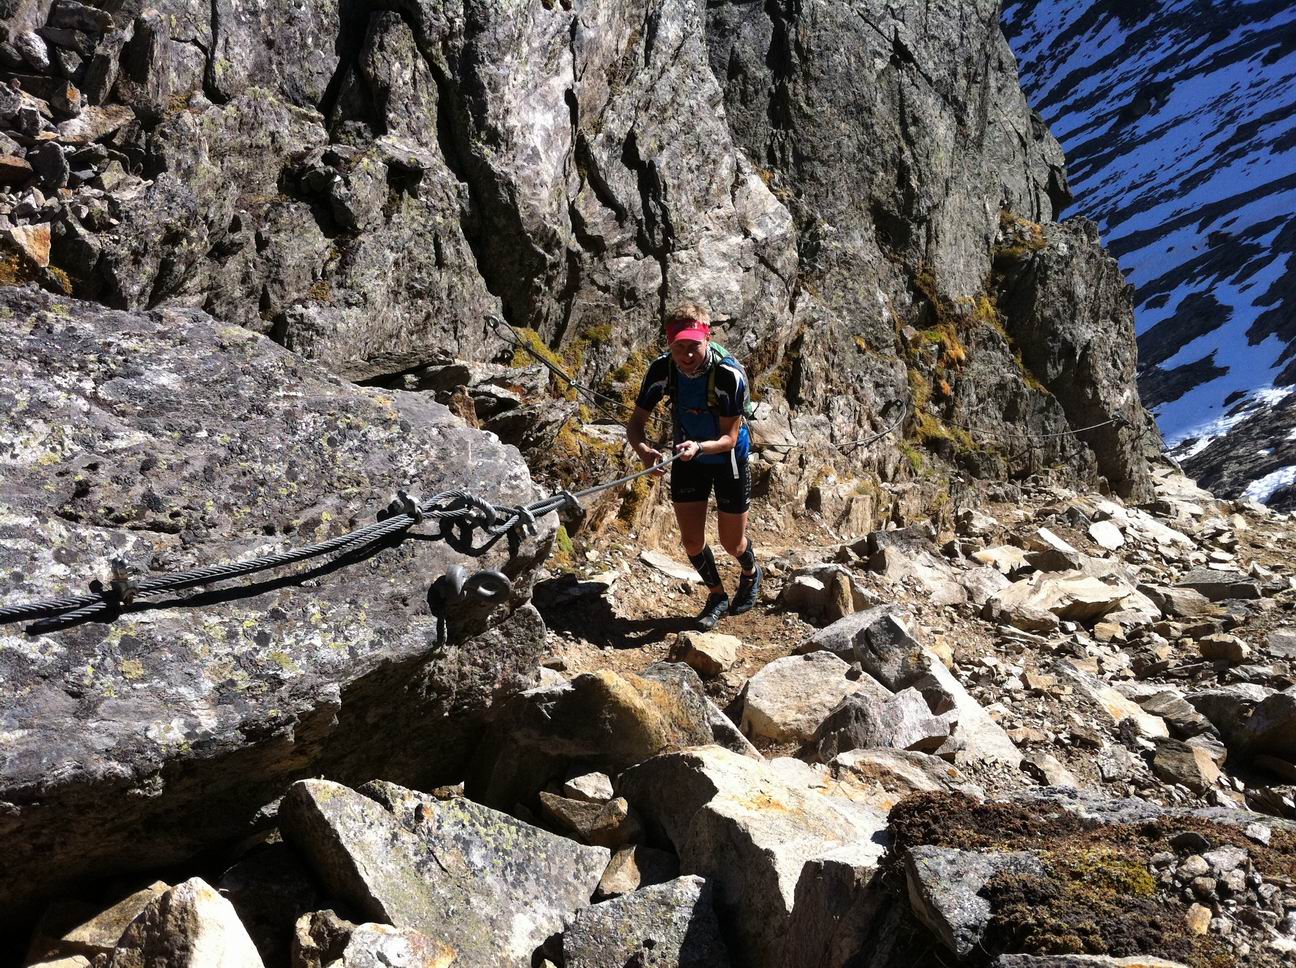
column 748, row 592
column 717, row 604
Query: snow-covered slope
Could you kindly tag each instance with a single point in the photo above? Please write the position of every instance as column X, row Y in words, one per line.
column 1179, row 122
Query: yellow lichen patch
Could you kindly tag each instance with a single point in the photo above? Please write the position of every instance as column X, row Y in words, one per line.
column 132, row 669
column 284, row 661
column 764, row 803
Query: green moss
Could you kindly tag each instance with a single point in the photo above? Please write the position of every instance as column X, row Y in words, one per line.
column 64, row 283
column 920, row 389
column 1030, row 379
column 915, row 457
column 15, row 270
column 531, row 339
column 985, row 312
column 570, row 361
column 598, row 334
column 640, row 491
column 1029, row 237
column 563, row 554
column 1103, row 870
column 629, row 375
column 1095, row 894
column 930, row 428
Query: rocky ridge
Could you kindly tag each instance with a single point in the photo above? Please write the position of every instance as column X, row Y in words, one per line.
column 1176, row 118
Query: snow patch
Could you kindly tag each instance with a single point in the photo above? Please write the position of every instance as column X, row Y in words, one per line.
column 1263, row 489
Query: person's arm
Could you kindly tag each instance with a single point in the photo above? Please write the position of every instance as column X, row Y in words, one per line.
column 726, row 442
column 651, row 390
column 638, row 441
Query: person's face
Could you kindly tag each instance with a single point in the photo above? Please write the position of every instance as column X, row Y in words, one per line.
column 689, row 355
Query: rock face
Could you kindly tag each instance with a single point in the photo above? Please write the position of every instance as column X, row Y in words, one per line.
column 489, row 886
column 877, row 133
column 365, row 183
column 171, row 441
column 1070, row 309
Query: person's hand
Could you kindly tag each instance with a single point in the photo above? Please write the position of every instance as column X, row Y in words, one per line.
column 650, row 456
column 688, row 450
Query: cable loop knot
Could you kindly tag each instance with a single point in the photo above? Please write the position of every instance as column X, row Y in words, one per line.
column 121, row 585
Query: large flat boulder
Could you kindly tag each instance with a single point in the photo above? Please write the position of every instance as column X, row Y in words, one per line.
column 902, row 722
column 751, row 828
column 786, row 701
column 883, row 777
column 1220, row 585
column 1070, row 595
column 172, row 441
column 490, row 887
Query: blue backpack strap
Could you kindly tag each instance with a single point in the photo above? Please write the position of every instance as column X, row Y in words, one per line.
column 713, row 400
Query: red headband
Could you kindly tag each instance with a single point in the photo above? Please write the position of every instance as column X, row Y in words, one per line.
column 692, row 329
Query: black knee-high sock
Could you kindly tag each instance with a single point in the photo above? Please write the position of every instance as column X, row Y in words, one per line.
column 704, row 562
column 748, row 558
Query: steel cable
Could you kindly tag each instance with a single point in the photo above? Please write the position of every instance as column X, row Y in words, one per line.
column 471, row 511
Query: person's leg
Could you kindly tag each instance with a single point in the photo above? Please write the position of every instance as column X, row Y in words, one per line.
column 733, row 535
column 692, row 516
column 690, row 492
column 733, row 498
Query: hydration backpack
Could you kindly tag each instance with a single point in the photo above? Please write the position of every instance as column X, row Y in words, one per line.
column 718, row 355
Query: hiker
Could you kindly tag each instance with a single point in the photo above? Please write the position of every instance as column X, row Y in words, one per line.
column 708, row 395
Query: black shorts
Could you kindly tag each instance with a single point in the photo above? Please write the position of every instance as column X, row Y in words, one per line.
column 692, row 480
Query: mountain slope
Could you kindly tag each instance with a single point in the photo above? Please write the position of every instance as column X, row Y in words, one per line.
column 1179, row 123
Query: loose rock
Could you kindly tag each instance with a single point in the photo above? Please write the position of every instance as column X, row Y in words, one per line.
column 670, row 924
